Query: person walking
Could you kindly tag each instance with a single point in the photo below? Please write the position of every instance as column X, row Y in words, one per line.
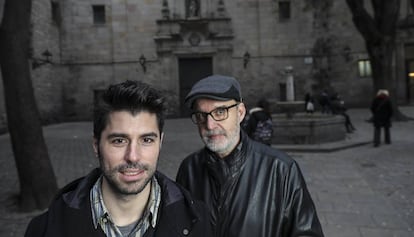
column 381, row 109
column 251, row 189
column 126, row 196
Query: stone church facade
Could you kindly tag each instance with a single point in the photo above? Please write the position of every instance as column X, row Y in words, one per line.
column 173, row 43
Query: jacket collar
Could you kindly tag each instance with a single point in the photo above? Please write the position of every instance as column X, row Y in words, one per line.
column 76, row 193
column 174, row 201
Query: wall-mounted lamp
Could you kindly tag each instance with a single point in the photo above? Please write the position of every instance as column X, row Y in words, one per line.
column 37, row 62
column 346, row 52
column 143, row 61
column 246, row 59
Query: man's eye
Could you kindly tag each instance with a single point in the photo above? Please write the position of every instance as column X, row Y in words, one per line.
column 119, row 141
column 219, row 111
column 148, row 140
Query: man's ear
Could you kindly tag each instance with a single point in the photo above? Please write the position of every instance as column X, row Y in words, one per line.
column 242, row 111
column 95, row 145
column 161, row 139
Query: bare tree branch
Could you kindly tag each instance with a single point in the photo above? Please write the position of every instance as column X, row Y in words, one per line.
column 363, row 21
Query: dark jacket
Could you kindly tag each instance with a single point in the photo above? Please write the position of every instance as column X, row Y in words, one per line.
column 70, row 212
column 255, row 191
column 381, row 109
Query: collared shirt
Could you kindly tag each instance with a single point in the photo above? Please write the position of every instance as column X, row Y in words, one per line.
column 101, row 217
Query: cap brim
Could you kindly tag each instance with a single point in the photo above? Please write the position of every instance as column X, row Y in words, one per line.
column 190, row 101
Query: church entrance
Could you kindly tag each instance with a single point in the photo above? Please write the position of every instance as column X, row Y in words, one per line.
column 191, row 70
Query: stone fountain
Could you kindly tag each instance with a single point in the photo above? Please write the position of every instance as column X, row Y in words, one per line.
column 291, row 125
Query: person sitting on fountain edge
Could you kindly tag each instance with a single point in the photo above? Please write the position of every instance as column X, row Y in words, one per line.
column 338, row 107
column 251, row 189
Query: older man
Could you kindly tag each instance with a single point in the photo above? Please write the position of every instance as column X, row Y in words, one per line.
column 251, row 189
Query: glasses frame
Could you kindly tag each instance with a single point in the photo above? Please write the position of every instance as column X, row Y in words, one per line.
column 205, row 115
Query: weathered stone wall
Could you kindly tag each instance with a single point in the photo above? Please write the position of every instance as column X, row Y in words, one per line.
column 98, row 55
column 46, row 79
column 88, row 57
column 272, row 44
column 131, row 27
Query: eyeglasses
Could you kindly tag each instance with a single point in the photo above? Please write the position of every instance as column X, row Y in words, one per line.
column 218, row 114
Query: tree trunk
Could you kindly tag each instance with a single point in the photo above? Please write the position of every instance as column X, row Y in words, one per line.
column 381, row 61
column 379, row 32
column 36, row 176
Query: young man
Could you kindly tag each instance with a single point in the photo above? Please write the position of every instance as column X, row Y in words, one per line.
column 126, row 196
column 250, row 188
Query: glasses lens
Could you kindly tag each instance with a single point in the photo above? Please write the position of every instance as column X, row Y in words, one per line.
column 219, row 114
column 198, row 118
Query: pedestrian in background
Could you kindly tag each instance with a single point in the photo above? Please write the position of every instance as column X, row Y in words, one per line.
column 325, row 102
column 381, row 109
column 258, row 122
column 309, row 104
column 126, row 196
column 250, row 188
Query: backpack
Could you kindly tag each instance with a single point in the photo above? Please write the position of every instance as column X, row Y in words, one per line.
column 264, row 131
column 245, row 124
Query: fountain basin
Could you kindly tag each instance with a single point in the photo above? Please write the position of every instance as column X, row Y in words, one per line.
column 304, row 128
column 290, row 107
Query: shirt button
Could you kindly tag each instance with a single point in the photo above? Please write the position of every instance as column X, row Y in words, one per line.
column 185, row 232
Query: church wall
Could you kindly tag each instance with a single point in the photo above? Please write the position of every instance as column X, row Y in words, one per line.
column 87, row 57
column 273, row 45
column 46, row 79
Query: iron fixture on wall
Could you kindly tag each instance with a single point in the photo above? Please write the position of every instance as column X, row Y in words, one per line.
column 246, row 59
column 37, row 62
column 143, row 62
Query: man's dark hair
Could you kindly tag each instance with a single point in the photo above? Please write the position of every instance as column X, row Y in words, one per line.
column 131, row 96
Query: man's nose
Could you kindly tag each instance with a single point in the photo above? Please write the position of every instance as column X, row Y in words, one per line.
column 210, row 122
column 133, row 152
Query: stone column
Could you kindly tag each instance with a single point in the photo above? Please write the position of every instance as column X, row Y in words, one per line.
column 290, row 90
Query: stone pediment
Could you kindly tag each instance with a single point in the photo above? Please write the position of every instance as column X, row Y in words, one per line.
column 195, row 33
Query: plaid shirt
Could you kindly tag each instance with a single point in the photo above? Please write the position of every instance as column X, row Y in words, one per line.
column 102, row 218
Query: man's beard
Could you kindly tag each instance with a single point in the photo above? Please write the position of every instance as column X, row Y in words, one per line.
column 225, row 144
column 132, row 188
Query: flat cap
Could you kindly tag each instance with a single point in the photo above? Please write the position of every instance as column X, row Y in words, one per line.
column 215, row 87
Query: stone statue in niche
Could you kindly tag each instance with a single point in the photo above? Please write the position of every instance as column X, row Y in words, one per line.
column 193, row 8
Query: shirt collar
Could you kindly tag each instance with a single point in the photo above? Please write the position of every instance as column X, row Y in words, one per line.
column 155, row 201
column 100, row 215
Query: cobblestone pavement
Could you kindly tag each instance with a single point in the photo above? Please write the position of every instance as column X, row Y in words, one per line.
column 359, row 190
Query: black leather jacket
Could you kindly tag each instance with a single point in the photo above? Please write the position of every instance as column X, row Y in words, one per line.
column 70, row 213
column 255, row 191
